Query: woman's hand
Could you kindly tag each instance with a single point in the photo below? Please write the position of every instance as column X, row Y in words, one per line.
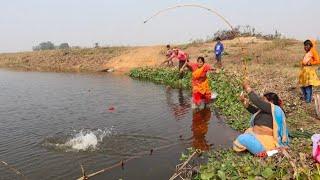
column 244, row 100
column 181, row 70
column 242, row 97
column 246, row 86
column 214, row 70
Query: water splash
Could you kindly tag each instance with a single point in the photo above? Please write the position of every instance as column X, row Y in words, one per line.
column 83, row 140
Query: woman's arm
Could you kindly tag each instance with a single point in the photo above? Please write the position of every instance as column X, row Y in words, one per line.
column 255, row 99
column 307, row 59
column 246, row 104
column 185, row 65
column 252, row 109
column 210, row 69
column 168, row 59
column 259, row 102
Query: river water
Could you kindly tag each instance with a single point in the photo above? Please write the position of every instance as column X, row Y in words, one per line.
column 50, row 123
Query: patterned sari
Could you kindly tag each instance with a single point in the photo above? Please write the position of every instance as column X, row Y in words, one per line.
column 200, row 83
column 259, row 139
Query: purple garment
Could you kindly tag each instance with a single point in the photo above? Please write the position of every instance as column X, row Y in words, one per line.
column 315, row 139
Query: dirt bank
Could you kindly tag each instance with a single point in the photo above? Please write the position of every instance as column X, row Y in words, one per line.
column 121, row 59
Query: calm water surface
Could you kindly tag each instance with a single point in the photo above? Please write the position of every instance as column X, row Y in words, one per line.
column 50, row 123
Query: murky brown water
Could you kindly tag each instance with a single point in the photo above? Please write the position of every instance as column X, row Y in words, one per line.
column 50, row 123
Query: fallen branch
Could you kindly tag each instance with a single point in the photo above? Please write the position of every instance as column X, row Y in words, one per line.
column 179, row 170
column 286, row 154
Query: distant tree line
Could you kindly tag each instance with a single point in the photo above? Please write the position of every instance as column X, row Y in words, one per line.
column 50, row 46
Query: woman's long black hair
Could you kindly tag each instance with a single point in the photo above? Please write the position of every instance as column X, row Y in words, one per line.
column 274, row 98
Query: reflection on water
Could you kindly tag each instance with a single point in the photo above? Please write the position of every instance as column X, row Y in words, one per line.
column 200, row 121
column 180, row 108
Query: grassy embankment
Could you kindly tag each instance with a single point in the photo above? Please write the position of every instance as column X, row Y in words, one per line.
column 70, row 60
column 273, row 66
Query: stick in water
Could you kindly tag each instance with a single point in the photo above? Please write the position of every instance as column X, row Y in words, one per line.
column 15, row 170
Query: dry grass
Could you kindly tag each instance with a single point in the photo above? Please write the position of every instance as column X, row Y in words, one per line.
column 74, row 60
column 273, row 66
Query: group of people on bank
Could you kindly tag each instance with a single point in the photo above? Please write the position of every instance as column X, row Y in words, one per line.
column 268, row 129
column 201, row 92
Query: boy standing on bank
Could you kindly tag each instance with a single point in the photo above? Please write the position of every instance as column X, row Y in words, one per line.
column 218, row 50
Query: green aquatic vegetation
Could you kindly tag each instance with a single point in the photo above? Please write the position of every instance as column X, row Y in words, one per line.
column 226, row 164
column 227, row 87
column 167, row 76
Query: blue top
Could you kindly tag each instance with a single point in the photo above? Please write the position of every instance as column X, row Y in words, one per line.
column 218, row 49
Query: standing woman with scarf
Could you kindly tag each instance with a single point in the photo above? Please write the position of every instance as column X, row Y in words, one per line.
column 308, row 76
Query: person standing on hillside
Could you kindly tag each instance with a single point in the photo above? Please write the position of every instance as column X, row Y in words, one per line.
column 218, row 50
column 308, row 76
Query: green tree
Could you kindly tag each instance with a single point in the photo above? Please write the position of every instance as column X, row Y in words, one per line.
column 64, row 46
column 44, row 46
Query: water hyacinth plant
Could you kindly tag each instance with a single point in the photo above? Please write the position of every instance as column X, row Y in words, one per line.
column 228, row 89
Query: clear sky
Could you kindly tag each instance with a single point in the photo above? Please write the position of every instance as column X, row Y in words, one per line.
column 25, row 23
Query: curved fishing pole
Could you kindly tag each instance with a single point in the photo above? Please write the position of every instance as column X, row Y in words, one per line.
column 244, row 60
column 190, row 5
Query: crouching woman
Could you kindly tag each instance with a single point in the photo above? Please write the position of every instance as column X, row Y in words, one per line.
column 268, row 128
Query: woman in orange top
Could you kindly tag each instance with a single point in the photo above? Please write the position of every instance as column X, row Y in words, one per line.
column 308, row 76
column 200, row 83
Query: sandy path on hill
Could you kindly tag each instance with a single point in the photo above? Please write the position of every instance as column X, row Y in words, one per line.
column 137, row 57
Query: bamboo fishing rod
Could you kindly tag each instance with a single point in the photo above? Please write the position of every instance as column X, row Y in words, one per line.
column 225, row 20
column 190, row 5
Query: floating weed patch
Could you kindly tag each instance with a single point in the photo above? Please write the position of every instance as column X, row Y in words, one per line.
column 167, row 76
